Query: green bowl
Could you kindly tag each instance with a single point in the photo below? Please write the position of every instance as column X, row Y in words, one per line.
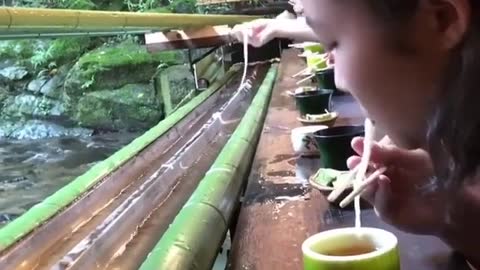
column 334, row 145
column 380, row 250
column 314, row 102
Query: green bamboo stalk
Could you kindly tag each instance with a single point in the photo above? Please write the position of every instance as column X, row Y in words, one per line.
column 165, row 90
column 203, row 65
column 52, row 205
column 36, row 18
column 185, row 100
column 210, row 72
column 195, row 236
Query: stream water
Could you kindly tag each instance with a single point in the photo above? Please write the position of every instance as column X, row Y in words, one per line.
column 30, row 171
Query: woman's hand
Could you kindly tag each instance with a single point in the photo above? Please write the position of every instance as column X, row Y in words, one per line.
column 405, row 196
column 262, row 31
column 259, row 32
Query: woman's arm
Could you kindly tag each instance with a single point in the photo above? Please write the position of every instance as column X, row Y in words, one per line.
column 262, row 31
column 297, row 30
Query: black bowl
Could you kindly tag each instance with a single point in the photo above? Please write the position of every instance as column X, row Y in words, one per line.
column 335, row 145
column 314, row 102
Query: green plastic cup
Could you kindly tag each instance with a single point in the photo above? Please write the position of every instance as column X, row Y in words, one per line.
column 333, row 250
column 315, row 61
column 314, row 102
column 326, row 79
column 313, row 47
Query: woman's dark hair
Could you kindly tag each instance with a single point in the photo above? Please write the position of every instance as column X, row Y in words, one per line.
column 454, row 126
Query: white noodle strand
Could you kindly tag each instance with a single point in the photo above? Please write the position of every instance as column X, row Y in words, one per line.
column 245, row 59
column 367, row 151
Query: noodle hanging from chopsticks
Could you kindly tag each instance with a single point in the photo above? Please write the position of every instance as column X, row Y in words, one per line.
column 245, row 59
column 363, row 166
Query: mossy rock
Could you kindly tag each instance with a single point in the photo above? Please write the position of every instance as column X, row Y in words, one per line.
column 37, row 129
column 14, row 73
column 181, row 82
column 31, row 106
column 3, row 96
column 132, row 107
column 111, row 67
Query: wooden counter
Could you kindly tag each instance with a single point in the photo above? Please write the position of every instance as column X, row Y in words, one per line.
column 280, row 210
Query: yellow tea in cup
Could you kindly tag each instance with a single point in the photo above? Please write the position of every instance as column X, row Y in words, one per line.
column 351, row 248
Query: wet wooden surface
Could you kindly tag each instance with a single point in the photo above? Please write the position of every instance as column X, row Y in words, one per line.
column 280, row 210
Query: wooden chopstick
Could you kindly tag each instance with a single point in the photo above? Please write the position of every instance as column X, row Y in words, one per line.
column 362, row 186
column 343, row 185
column 305, row 79
column 301, row 72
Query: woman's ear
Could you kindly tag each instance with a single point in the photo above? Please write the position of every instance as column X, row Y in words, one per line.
column 450, row 19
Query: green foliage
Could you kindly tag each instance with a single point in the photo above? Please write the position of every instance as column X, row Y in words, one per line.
column 183, row 6
column 78, row 4
column 214, row 9
column 60, row 51
column 160, row 10
column 110, row 5
column 141, row 5
column 64, row 4
column 40, row 58
column 22, row 49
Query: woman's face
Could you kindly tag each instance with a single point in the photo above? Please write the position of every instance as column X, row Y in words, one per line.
column 395, row 88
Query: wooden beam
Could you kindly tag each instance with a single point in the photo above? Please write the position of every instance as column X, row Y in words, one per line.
column 208, row 36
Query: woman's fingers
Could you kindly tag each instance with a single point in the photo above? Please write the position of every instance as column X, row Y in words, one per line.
column 353, row 162
column 369, row 193
column 387, row 154
column 357, row 145
column 382, row 196
column 257, row 31
column 263, row 37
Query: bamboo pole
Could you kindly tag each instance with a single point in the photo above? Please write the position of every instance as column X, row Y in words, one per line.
column 193, row 239
column 55, row 33
column 20, row 19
